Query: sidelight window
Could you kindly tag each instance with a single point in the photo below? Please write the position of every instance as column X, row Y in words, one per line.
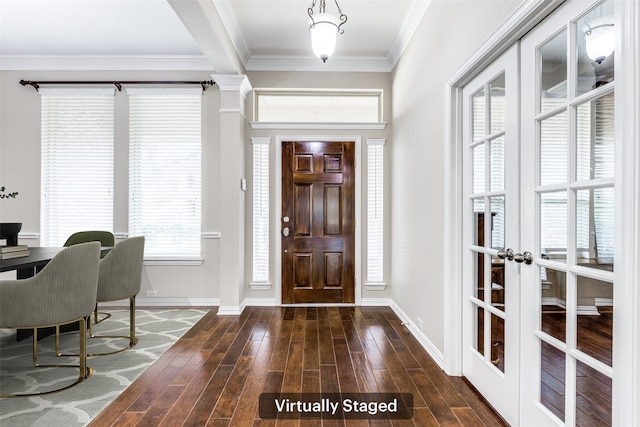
column 260, row 190
column 375, row 211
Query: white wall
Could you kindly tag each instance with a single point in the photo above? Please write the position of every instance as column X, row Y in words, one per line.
column 449, row 32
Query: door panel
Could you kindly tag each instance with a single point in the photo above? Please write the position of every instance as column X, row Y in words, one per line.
column 568, row 201
column 491, row 308
column 318, row 238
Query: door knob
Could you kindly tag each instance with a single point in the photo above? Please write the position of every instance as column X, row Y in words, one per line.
column 525, row 257
column 508, row 254
column 285, row 231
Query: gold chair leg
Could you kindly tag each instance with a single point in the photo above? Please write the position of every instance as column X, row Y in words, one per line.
column 58, row 352
column 133, row 340
column 84, row 371
column 35, row 347
column 132, row 321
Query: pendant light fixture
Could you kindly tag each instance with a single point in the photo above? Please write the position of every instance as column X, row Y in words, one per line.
column 324, row 27
column 600, row 38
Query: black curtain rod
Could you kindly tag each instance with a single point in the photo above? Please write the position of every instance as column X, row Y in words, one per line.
column 118, row 84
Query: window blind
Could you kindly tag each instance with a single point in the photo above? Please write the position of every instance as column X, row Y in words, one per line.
column 375, row 211
column 594, row 154
column 260, row 210
column 165, row 171
column 77, row 146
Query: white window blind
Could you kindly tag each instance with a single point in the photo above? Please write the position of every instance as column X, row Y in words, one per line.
column 595, row 151
column 77, row 143
column 260, row 210
column 375, row 217
column 165, row 171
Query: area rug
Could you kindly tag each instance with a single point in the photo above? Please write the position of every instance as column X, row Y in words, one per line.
column 157, row 330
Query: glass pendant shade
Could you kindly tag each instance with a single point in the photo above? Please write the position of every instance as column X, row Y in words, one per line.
column 323, row 30
column 600, row 40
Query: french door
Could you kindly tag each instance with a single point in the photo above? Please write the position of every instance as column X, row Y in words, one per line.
column 491, row 306
column 539, row 199
column 568, row 210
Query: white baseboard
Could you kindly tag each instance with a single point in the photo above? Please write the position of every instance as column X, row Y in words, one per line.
column 604, row 302
column 581, row 310
column 431, row 349
column 230, row 310
column 168, row 302
column 588, row 310
column 260, row 302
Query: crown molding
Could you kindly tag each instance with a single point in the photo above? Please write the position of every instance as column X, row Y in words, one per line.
column 411, row 21
column 312, row 63
column 105, row 62
column 233, row 30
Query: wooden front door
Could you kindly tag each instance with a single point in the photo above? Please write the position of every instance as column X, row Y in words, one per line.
column 318, row 222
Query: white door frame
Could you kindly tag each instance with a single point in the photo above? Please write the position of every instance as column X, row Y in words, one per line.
column 626, row 392
column 277, row 224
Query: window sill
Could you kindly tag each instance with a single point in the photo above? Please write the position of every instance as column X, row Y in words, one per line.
column 173, row 261
column 260, row 286
column 375, row 286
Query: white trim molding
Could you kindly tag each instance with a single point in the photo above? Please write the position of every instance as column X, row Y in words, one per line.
column 104, row 62
column 318, row 126
column 211, row 235
column 375, row 286
column 233, row 83
column 173, row 261
column 260, row 286
column 29, row 236
column 230, row 310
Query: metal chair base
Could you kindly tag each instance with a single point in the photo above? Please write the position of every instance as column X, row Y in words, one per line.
column 131, row 337
column 84, row 371
column 132, row 331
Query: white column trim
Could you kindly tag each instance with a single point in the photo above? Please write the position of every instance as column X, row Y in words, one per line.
column 233, row 83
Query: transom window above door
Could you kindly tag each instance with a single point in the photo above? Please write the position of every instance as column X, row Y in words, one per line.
column 314, row 106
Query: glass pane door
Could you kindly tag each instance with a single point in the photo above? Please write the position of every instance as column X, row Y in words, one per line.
column 491, row 310
column 568, row 198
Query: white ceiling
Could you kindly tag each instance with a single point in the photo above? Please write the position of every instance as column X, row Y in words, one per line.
column 197, row 34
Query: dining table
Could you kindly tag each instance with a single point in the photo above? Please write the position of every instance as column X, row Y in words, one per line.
column 30, row 265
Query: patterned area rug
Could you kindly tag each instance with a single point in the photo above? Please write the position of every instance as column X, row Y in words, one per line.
column 157, row 330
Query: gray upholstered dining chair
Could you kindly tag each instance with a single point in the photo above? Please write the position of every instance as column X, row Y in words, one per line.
column 106, row 239
column 119, row 277
column 64, row 291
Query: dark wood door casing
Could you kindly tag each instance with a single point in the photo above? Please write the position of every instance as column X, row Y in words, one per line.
column 318, row 198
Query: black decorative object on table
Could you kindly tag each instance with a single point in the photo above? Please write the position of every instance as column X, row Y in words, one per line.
column 9, row 231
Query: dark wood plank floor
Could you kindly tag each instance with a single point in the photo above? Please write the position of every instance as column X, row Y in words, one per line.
column 214, row 375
